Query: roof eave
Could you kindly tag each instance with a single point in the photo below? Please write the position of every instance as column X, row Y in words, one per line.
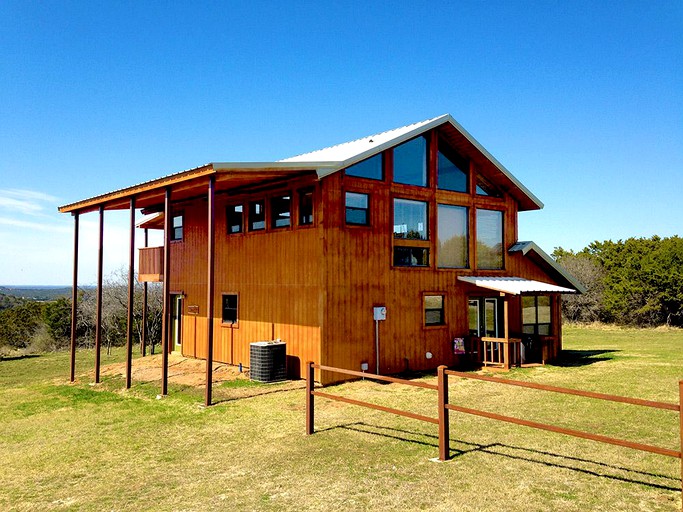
column 525, row 247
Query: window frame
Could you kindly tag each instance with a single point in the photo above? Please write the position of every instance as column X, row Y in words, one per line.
column 274, row 214
column 368, row 220
column 456, row 160
column 442, row 323
column 426, row 171
column 536, row 323
column 225, row 322
column 250, row 221
column 468, row 256
column 301, row 193
column 228, row 224
column 381, row 177
column 502, row 239
column 173, row 235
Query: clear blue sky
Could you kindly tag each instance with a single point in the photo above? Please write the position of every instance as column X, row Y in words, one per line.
column 582, row 101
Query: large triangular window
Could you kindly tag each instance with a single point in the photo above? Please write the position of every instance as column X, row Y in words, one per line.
column 452, row 172
column 484, row 188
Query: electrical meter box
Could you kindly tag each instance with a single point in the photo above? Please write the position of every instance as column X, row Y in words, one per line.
column 379, row 313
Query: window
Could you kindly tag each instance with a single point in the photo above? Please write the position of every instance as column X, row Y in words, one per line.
column 280, row 211
column 229, row 308
column 452, row 173
column 434, row 312
column 473, row 316
column 485, row 316
column 452, row 236
column 305, row 207
column 357, row 209
column 235, row 218
column 410, row 162
column 411, row 257
column 536, row 314
column 410, row 219
column 489, row 239
column 177, row 227
column 257, row 215
column 370, row 168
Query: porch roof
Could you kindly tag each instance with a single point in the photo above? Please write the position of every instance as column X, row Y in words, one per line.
column 514, row 285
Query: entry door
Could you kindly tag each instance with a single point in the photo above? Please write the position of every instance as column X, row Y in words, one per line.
column 484, row 317
column 176, row 328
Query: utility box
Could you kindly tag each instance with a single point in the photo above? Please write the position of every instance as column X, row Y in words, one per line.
column 268, row 361
column 379, row 313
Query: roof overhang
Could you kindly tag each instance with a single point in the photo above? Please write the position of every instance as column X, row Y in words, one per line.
column 539, row 256
column 514, row 285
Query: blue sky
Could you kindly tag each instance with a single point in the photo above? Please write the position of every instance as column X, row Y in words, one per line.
column 582, row 101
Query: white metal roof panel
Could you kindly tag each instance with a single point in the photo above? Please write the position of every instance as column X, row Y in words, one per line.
column 514, row 285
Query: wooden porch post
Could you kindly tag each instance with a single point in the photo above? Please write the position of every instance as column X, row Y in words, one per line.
column 98, row 321
column 74, row 300
column 444, row 426
column 166, row 308
column 210, row 288
column 506, row 328
column 143, row 331
column 131, row 295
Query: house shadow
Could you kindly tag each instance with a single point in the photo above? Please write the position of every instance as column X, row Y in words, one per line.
column 581, row 465
column 574, row 358
column 16, row 358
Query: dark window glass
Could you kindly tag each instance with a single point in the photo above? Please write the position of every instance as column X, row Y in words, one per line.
column 357, row 211
column 452, row 173
column 235, row 218
column 410, row 162
column 433, row 305
column 177, row 227
column 280, row 211
column 452, row 236
column 473, row 316
column 536, row 315
column 305, row 207
column 411, row 257
column 489, row 239
column 257, row 215
column 370, row 168
column 410, row 219
column 485, row 189
column 230, row 309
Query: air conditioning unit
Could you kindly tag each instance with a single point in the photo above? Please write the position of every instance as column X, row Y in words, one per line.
column 268, row 361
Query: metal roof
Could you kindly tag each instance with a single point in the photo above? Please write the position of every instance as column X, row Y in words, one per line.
column 514, row 285
column 526, row 247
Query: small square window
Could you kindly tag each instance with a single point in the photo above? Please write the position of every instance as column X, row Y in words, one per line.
column 434, row 311
column 305, row 207
column 177, row 227
column 280, row 211
column 235, row 218
column 257, row 215
column 230, row 308
column 357, row 209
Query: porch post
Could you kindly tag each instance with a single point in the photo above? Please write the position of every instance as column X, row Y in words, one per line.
column 506, row 329
column 98, row 321
column 74, row 300
column 143, row 331
column 210, row 288
column 131, row 294
column 166, row 308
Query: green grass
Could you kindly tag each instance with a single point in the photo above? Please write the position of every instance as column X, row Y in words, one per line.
column 99, row 447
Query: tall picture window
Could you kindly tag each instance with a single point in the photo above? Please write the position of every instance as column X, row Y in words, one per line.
column 229, row 308
column 280, row 211
column 257, row 215
column 452, row 173
column 235, row 218
column 357, row 208
column 177, row 227
column 410, row 219
column 489, row 239
column 452, row 227
column 305, row 207
column 536, row 316
column 370, row 168
column 410, row 162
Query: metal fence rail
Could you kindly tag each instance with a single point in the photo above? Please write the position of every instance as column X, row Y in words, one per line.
column 443, row 407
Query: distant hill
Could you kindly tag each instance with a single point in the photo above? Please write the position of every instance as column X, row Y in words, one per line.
column 36, row 292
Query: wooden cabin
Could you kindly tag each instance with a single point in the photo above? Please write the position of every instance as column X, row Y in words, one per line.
column 393, row 252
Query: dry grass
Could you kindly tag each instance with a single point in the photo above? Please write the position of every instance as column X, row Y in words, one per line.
column 83, row 447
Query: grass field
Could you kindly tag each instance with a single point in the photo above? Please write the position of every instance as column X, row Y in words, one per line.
column 84, row 447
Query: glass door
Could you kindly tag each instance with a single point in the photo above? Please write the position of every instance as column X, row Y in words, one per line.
column 176, row 318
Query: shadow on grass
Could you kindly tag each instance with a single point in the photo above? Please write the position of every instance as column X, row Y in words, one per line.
column 573, row 358
column 16, row 358
column 522, row 453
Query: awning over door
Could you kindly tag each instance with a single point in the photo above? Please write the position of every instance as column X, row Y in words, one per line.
column 514, row 285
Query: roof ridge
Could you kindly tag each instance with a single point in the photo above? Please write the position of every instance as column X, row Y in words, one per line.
column 364, row 137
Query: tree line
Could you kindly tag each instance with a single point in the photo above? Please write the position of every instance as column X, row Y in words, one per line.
column 42, row 326
column 638, row 281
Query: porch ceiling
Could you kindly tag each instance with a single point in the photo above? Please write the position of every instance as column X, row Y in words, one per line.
column 514, row 285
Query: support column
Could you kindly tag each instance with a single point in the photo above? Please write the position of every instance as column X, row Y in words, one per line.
column 131, row 295
column 98, row 321
column 210, row 287
column 74, row 300
column 507, row 355
column 143, row 331
column 166, row 289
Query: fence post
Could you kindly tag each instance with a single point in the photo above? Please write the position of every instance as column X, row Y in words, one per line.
column 444, row 431
column 310, row 412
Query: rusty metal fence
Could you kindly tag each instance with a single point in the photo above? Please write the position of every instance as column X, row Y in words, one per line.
column 443, row 407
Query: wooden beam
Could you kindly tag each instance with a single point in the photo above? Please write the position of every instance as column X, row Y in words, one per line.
column 143, row 331
column 98, row 320
column 166, row 298
column 131, row 295
column 211, row 221
column 74, row 300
